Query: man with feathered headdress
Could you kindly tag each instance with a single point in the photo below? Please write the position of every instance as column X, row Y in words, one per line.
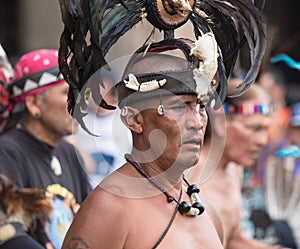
column 165, row 87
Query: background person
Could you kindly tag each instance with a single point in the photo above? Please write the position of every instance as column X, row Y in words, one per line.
column 33, row 153
column 246, row 123
column 264, row 204
column 281, row 181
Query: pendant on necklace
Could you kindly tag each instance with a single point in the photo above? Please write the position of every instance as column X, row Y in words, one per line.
column 55, row 166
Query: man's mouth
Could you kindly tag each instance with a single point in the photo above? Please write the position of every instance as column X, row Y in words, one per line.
column 193, row 142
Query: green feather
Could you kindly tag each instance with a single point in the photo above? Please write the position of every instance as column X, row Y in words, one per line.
column 113, row 17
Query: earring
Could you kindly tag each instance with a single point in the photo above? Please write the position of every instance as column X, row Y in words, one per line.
column 37, row 114
column 124, row 111
column 160, row 108
column 212, row 103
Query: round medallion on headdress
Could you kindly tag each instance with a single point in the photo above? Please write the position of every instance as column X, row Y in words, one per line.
column 168, row 14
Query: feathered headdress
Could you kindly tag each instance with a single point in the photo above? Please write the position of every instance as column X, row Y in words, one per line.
column 92, row 27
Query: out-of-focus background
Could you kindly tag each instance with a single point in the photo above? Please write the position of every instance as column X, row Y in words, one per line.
column 31, row 24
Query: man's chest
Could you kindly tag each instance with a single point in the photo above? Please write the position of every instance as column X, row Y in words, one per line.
column 157, row 231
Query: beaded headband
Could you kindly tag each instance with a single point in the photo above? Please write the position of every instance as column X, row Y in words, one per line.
column 247, row 109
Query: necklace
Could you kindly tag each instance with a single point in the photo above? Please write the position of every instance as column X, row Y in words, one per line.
column 184, row 207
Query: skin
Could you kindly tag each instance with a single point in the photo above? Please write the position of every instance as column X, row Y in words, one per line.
column 251, row 132
column 245, row 136
column 274, row 85
column 49, row 119
column 126, row 211
column 175, row 134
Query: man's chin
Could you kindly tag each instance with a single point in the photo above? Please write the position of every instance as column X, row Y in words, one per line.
column 190, row 160
column 68, row 132
column 249, row 163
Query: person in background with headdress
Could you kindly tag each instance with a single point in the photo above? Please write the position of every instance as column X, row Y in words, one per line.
column 276, row 82
column 265, row 193
column 277, row 170
column 256, row 222
column 33, row 152
column 282, row 182
column 246, row 120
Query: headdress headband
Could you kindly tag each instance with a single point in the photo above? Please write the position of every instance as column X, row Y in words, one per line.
column 196, row 77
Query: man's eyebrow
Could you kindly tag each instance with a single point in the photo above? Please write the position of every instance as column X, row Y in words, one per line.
column 177, row 101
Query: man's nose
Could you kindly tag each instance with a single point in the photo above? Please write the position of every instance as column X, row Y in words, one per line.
column 262, row 138
column 195, row 120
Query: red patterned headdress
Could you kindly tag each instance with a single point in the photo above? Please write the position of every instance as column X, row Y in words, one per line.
column 34, row 73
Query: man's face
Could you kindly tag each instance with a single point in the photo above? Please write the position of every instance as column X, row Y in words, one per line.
column 55, row 116
column 178, row 134
column 246, row 136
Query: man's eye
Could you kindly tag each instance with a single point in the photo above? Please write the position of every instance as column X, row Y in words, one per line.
column 178, row 107
column 256, row 128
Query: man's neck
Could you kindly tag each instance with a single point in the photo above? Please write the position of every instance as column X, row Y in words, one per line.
column 210, row 161
column 160, row 172
column 42, row 134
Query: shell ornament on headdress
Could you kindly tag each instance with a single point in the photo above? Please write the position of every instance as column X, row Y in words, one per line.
column 92, row 27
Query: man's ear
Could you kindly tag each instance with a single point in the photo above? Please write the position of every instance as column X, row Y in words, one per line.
column 133, row 119
column 33, row 106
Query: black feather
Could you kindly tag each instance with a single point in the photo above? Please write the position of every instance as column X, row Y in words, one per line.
column 222, row 88
column 249, row 17
column 80, row 56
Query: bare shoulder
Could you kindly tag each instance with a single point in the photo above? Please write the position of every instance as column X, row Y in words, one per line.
column 214, row 216
column 95, row 225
